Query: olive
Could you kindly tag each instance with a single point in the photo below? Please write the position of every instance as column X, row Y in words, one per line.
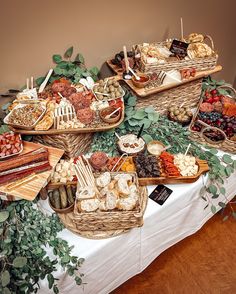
column 113, row 95
column 101, row 83
column 100, row 97
column 176, row 112
column 179, row 117
column 122, row 54
column 117, row 93
column 130, row 54
column 116, row 84
column 109, row 82
column 111, row 88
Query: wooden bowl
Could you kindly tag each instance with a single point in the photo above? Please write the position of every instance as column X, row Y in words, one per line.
column 115, row 117
column 141, row 84
column 62, row 210
column 154, row 142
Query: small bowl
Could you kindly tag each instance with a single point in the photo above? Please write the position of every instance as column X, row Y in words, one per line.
column 153, row 143
column 115, row 117
column 183, row 123
column 62, row 210
column 131, row 153
column 144, row 80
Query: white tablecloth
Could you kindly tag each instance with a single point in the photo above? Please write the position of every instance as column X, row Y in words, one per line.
column 111, row 262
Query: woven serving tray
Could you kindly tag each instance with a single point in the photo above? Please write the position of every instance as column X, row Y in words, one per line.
column 226, row 144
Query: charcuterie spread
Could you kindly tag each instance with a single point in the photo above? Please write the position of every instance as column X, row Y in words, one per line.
column 65, row 106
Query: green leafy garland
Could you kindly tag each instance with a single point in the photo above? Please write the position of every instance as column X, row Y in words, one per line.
column 158, row 127
column 71, row 70
column 25, row 232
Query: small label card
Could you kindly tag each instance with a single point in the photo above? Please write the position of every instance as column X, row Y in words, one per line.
column 179, row 48
column 160, row 194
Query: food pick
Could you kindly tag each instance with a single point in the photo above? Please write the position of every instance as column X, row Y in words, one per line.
column 109, row 115
column 140, row 131
column 187, row 149
column 136, row 76
column 182, row 29
column 44, row 83
column 126, row 74
column 31, row 92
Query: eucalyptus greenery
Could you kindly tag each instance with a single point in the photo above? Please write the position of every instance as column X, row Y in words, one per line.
column 158, row 127
column 25, row 233
column 72, row 70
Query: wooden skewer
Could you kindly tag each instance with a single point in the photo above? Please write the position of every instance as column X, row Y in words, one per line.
column 186, row 152
column 27, row 84
column 32, row 82
column 104, row 94
column 182, row 29
column 118, row 137
column 126, row 59
column 106, row 84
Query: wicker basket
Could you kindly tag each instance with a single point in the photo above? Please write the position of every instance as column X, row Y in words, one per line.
column 73, row 144
column 113, row 220
column 188, row 93
column 68, row 221
column 205, row 63
column 226, row 144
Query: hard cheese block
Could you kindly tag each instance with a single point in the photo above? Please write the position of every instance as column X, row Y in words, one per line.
column 30, row 189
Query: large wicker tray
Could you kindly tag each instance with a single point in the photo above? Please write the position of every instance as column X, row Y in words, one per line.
column 226, row 144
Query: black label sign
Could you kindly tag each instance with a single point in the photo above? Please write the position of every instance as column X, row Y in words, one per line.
column 160, row 194
column 179, row 48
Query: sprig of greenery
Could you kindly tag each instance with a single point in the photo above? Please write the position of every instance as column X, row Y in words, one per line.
column 25, row 232
column 72, row 70
column 158, row 127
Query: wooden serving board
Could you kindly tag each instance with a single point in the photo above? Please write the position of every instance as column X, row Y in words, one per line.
column 30, row 190
column 69, row 131
column 203, row 168
column 142, row 92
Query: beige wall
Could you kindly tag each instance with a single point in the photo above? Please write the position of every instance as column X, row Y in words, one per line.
column 32, row 31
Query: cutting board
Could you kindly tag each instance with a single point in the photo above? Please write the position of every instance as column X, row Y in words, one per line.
column 30, row 190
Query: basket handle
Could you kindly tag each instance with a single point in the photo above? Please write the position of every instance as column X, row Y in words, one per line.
column 229, row 87
column 207, row 127
column 211, row 40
